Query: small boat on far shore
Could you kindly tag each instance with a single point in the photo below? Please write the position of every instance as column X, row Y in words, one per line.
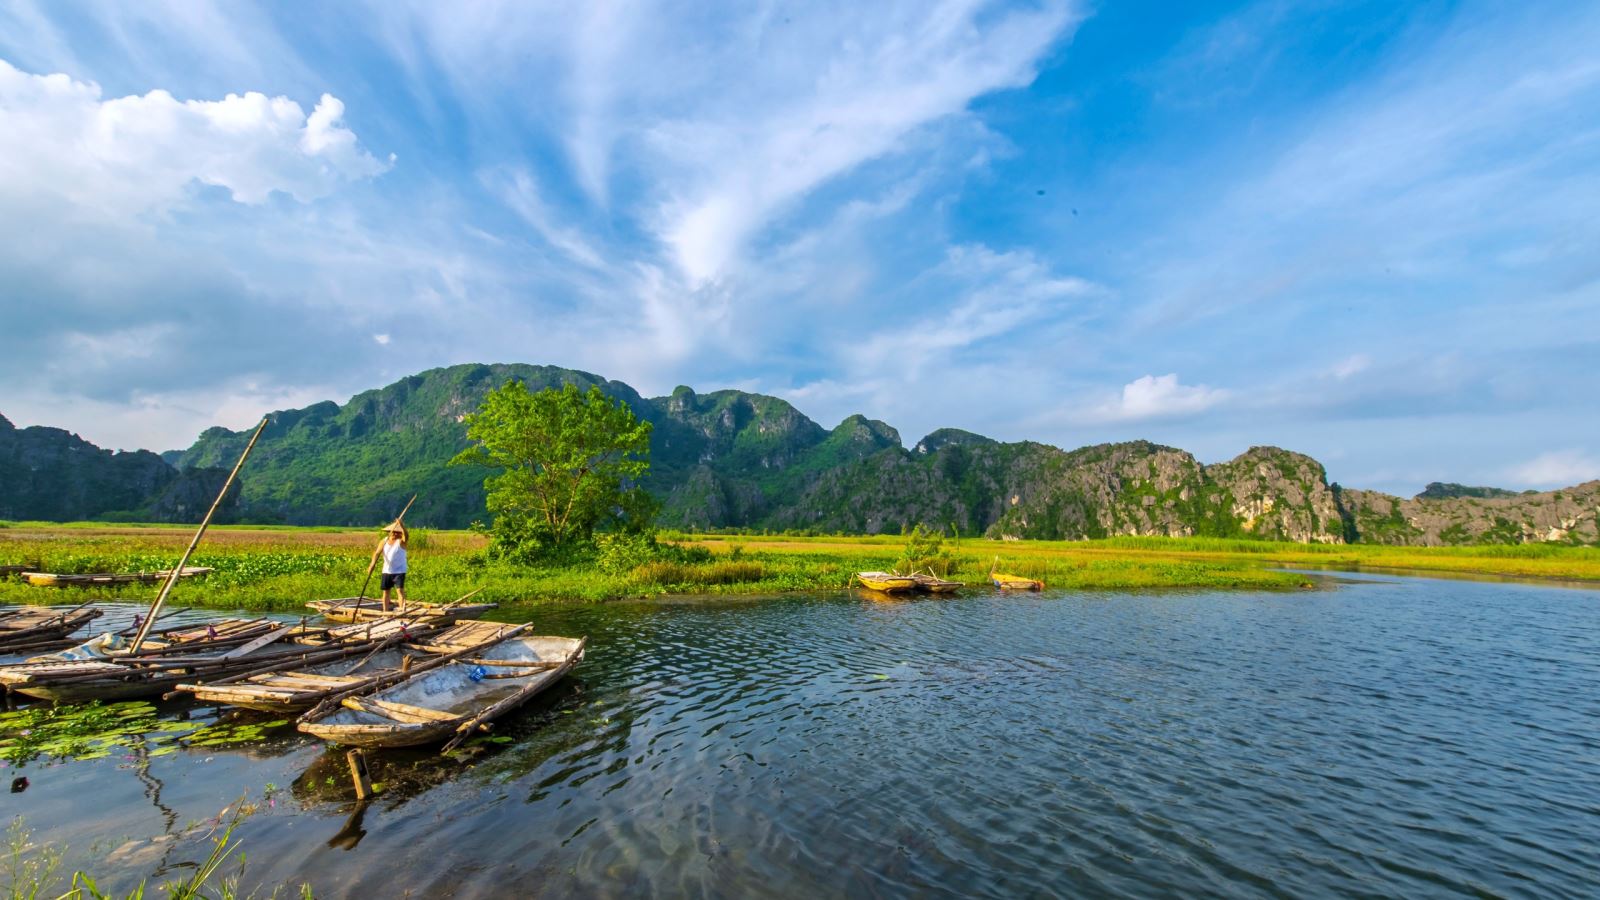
column 1015, row 582
column 887, row 582
column 933, row 584
column 95, row 579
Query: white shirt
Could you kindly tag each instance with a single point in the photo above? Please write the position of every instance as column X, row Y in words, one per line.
column 394, row 557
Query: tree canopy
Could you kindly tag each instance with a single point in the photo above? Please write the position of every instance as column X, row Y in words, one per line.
column 568, row 462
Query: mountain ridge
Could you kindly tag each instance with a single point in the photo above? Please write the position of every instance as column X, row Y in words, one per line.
column 731, row 459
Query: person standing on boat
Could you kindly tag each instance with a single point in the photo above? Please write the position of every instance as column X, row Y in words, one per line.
column 393, row 554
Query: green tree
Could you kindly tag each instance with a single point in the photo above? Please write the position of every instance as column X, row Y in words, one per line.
column 568, row 462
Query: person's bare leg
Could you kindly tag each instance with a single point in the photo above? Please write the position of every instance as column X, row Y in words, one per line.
column 385, row 599
column 400, row 594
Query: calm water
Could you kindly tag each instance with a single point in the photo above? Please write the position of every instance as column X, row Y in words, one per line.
column 1388, row 737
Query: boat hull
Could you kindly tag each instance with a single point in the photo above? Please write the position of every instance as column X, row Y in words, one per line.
column 451, row 686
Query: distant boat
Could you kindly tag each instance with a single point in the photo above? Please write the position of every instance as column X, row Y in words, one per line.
column 887, row 582
column 453, row 700
column 1015, row 582
column 51, row 579
column 933, row 584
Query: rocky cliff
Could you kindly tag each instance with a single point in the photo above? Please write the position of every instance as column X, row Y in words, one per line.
column 51, row 474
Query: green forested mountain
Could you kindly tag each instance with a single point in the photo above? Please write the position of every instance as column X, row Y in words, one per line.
column 730, row 459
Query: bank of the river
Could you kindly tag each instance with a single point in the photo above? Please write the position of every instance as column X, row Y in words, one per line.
column 278, row 568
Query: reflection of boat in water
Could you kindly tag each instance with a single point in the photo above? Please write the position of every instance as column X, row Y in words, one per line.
column 93, row 579
column 367, row 609
column 887, row 582
column 452, row 701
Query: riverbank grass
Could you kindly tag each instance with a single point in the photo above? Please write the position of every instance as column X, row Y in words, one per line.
column 280, row 568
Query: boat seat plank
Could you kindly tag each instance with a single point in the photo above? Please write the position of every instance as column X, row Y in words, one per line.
column 400, row 712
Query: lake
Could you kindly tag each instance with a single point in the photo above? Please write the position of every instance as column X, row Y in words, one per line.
column 1389, row 736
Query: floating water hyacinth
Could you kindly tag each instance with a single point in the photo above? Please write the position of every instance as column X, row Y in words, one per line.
column 96, row 730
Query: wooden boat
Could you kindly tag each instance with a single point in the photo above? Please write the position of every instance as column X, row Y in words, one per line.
column 933, row 584
column 33, row 629
column 1015, row 582
column 452, row 701
column 888, row 582
column 419, row 647
column 185, row 653
column 50, row 579
column 365, row 609
column 10, row 570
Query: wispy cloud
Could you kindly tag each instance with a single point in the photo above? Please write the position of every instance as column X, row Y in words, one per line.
column 1557, row 468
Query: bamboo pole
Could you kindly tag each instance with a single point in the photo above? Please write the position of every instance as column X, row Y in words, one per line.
column 172, row 577
column 374, row 564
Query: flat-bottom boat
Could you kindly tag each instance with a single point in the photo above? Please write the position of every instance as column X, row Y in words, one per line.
column 405, row 650
column 887, row 582
column 52, row 579
column 452, row 701
column 368, row 609
column 933, row 584
column 1015, row 582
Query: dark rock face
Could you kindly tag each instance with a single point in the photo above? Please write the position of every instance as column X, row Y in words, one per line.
column 733, row 459
column 54, row 475
column 1439, row 490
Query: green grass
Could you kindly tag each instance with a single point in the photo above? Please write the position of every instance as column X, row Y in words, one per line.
column 280, row 568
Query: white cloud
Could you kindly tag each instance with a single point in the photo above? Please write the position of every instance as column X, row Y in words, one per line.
column 60, row 140
column 1351, row 365
column 1557, row 468
column 1157, row 397
column 381, row 339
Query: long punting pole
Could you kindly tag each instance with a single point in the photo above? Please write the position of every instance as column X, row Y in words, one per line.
column 172, row 577
column 372, row 565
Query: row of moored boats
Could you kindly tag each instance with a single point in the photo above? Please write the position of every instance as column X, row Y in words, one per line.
column 367, row 676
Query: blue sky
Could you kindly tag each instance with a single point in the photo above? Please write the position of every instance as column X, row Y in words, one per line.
column 1366, row 231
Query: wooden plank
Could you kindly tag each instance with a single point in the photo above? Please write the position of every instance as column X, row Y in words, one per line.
column 400, row 712
column 259, row 642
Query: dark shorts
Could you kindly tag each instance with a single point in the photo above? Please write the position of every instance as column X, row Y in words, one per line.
column 392, row 580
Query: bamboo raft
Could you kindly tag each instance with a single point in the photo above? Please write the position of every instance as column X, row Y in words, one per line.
column 394, row 655
column 50, row 579
column 184, row 653
column 34, row 629
column 452, row 700
column 366, row 609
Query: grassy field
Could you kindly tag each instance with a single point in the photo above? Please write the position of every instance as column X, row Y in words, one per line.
column 279, row 568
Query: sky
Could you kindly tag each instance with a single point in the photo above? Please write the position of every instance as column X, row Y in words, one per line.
column 1366, row 231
